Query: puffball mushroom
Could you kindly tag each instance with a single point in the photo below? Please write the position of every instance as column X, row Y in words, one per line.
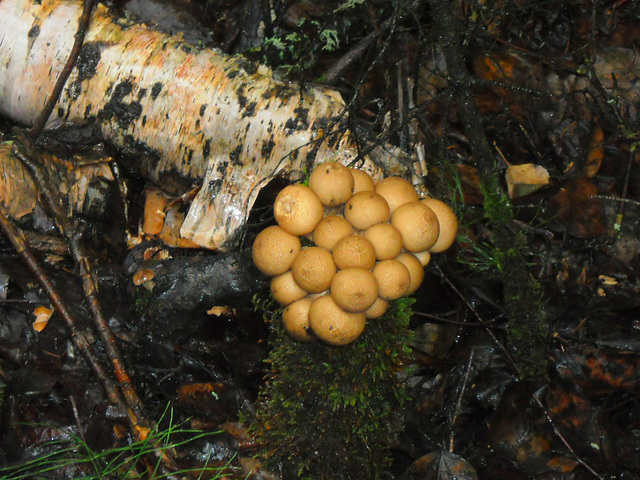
column 354, row 289
column 333, row 325
column 418, row 225
column 396, row 191
column 295, row 320
column 424, row 257
column 330, row 230
column 447, row 221
column 357, row 265
column 354, row 251
column 362, row 181
column 313, row 269
column 274, row 249
column 393, row 279
column 297, row 209
column 378, row 308
column 416, row 270
column 386, row 240
column 365, row 209
column 285, row 290
column 332, row 182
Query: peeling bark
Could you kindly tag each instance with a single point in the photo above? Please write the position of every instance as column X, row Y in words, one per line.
column 191, row 117
column 85, row 190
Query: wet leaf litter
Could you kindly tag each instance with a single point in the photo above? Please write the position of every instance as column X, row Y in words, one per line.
column 545, row 108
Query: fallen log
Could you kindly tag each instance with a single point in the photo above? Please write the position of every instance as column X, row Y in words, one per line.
column 188, row 117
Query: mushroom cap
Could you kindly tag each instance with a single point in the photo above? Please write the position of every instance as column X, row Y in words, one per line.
column 418, row 225
column 378, row 308
column 354, row 251
column 297, row 209
column 330, row 230
column 285, row 290
column 447, row 222
column 274, row 249
column 362, row 181
column 416, row 270
column 365, row 209
column 396, row 191
column 393, row 279
column 333, row 325
column 313, row 269
column 386, row 240
column 354, row 289
column 295, row 320
column 332, row 182
column 424, row 257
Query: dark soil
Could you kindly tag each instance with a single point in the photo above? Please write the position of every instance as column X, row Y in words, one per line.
column 525, row 353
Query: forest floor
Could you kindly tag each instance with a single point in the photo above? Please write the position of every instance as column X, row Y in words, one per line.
column 525, row 355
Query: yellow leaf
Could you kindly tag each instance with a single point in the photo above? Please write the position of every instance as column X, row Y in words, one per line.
column 525, row 179
column 43, row 314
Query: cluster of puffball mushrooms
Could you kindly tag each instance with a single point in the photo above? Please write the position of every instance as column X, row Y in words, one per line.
column 371, row 244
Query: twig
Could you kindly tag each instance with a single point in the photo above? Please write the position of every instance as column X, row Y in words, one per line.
column 24, row 151
column 519, row 374
column 83, row 24
column 463, row 387
column 79, row 340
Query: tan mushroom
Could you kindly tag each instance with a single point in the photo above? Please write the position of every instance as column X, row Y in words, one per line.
column 332, row 182
column 274, row 249
column 313, row 269
column 297, row 209
column 333, row 325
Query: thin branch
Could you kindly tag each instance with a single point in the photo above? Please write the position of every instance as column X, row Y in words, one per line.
column 463, row 387
column 79, row 340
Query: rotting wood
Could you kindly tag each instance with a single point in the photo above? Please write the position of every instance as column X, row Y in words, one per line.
column 189, row 116
column 85, row 189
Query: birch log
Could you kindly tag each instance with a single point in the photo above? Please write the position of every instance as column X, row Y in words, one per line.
column 191, row 117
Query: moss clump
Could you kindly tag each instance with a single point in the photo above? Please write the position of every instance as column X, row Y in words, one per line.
column 330, row 412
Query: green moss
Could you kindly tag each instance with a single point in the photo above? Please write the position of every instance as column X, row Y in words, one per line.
column 511, row 254
column 330, row 412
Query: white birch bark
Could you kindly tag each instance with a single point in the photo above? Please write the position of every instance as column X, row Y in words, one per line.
column 193, row 117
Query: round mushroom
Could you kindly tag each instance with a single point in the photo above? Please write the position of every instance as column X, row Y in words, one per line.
column 313, row 269
column 396, row 191
column 297, row 209
column 386, row 240
column 365, row 209
column 333, row 325
column 393, row 279
column 274, row 249
column 418, row 225
column 354, row 251
column 295, row 320
column 416, row 270
column 330, row 230
column 378, row 308
column 332, row 182
column 447, row 222
column 362, row 181
column 354, row 289
column 285, row 290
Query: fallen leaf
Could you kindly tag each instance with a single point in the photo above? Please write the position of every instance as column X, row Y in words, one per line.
column 525, row 179
column 596, row 152
column 441, row 465
column 43, row 314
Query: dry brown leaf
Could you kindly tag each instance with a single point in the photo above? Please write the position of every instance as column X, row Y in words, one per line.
column 596, row 152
